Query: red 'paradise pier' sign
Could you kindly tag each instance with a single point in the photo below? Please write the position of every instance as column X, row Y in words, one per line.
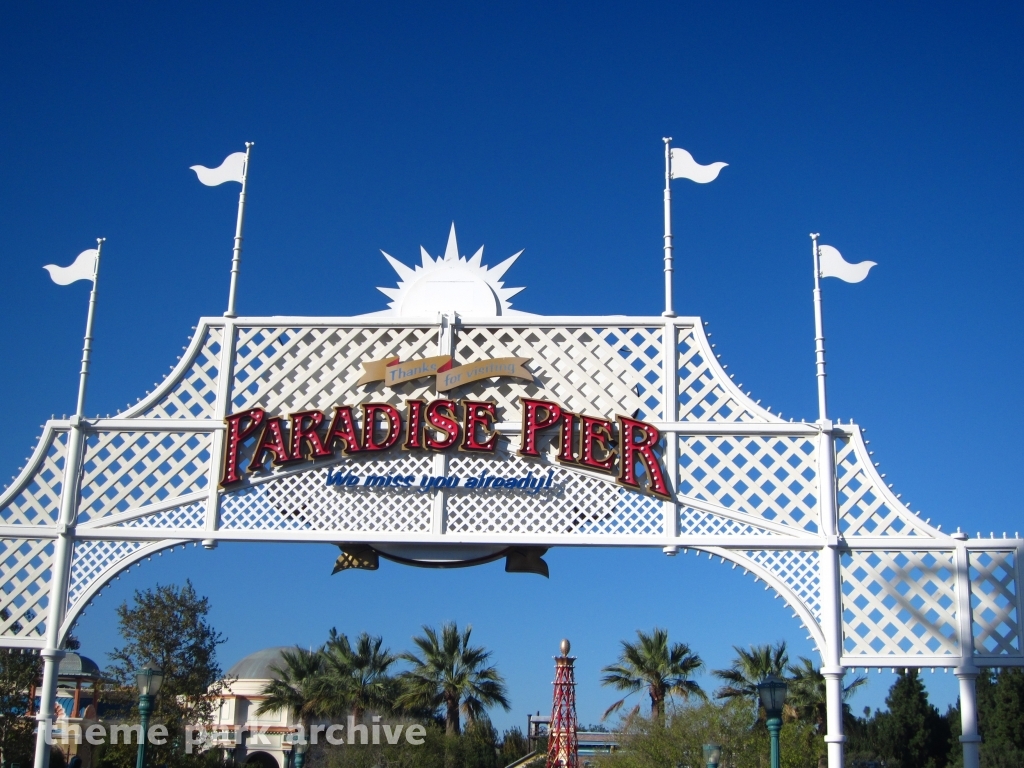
column 598, row 444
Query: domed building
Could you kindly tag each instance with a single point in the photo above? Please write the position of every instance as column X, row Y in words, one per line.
column 260, row 740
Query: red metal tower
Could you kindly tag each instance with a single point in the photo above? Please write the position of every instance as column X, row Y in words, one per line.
column 563, row 750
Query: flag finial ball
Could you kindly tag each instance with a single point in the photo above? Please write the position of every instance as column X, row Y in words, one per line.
column 564, row 647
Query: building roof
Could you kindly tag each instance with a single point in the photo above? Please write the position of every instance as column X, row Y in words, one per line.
column 76, row 665
column 256, row 666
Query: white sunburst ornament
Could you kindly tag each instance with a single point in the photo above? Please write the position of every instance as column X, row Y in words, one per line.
column 450, row 283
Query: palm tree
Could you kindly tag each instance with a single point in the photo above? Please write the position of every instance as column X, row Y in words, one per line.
column 451, row 676
column 651, row 664
column 356, row 678
column 751, row 667
column 807, row 694
column 298, row 686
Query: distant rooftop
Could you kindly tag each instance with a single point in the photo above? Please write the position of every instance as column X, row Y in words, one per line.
column 75, row 665
column 257, row 666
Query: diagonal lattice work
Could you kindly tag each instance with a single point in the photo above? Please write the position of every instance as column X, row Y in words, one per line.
column 899, row 603
column 123, row 470
column 771, row 477
column 26, row 568
column 292, row 369
column 192, row 394
column 702, row 523
column 866, row 506
column 605, row 371
column 93, row 560
column 743, row 473
column 189, row 517
column 34, row 499
column 705, row 391
column 303, row 502
column 995, row 603
column 576, row 502
column 797, row 570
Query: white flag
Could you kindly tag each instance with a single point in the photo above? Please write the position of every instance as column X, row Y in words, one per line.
column 83, row 268
column 832, row 264
column 230, row 170
column 685, row 167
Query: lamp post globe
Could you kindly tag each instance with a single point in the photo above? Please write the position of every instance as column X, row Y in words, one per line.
column 148, row 681
column 712, row 755
column 772, row 692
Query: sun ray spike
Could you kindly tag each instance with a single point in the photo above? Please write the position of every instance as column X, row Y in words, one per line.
column 426, row 258
column 477, row 259
column 451, row 251
column 405, row 274
column 498, row 270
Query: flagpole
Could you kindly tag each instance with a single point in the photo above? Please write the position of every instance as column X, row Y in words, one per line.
column 819, row 333
column 83, row 376
column 669, row 311
column 236, row 256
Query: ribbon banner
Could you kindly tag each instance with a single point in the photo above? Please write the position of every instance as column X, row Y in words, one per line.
column 484, row 369
column 393, row 372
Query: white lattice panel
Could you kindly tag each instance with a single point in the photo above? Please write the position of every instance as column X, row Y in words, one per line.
column 194, row 394
column 797, row 569
column 581, row 503
column 123, row 470
column 189, row 517
column 35, row 499
column 866, row 506
column 705, row 391
column 697, row 522
column 599, row 371
column 300, row 502
column 95, row 561
column 293, row 369
column 994, row 596
column 771, row 477
column 898, row 603
column 25, row 571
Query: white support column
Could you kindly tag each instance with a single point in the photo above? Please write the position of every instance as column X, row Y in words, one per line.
column 63, row 550
column 670, row 413
column 831, row 608
column 439, row 466
column 669, row 306
column 967, row 672
column 222, row 406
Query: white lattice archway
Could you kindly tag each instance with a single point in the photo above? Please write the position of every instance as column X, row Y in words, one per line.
column 800, row 505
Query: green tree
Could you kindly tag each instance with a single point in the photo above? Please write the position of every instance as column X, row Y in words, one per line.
column 452, row 677
column 356, row 677
column 19, row 671
column 647, row 743
column 912, row 734
column 651, row 664
column 807, row 695
column 514, row 745
column 167, row 626
column 749, row 668
column 299, row 686
column 1000, row 696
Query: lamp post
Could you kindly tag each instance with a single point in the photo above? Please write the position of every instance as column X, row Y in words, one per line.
column 148, row 680
column 712, row 755
column 772, row 692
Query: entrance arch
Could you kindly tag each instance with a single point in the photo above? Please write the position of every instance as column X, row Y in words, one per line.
column 262, row 759
column 798, row 504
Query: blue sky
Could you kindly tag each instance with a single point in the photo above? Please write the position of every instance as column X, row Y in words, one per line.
column 894, row 129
